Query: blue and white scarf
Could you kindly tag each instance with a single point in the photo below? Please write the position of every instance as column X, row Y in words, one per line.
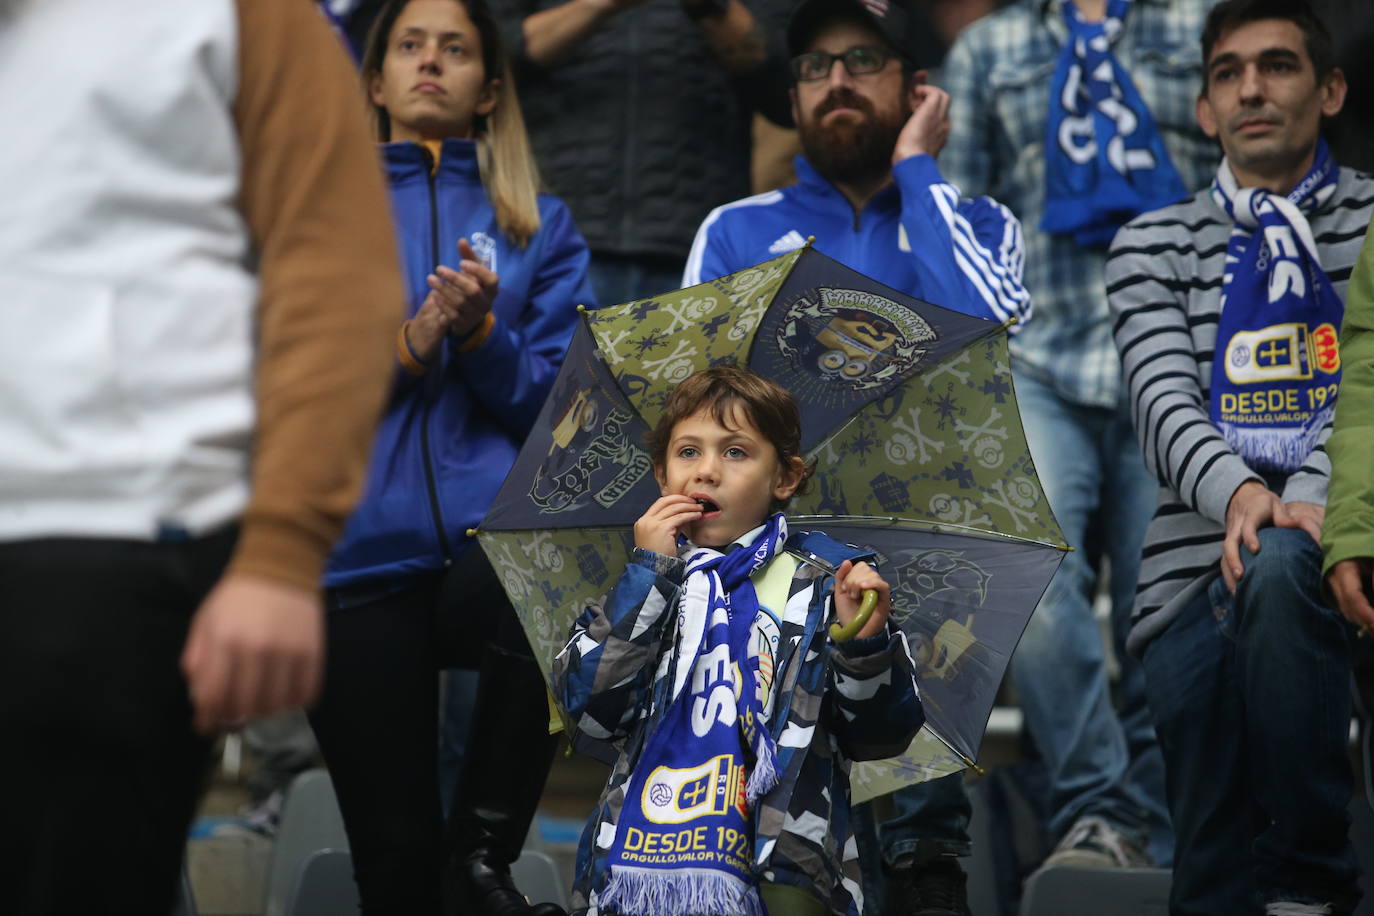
column 1277, row 366
column 1104, row 159
column 682, row 842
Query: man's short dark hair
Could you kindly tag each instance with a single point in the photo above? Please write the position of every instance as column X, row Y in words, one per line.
column 1231, row 14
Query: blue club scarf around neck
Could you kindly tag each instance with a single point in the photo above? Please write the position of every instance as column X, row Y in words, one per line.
column 1277, row 366
column 1105, row 161
column 682, row 841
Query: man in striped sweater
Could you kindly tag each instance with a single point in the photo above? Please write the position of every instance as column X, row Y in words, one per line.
column 1225, row 308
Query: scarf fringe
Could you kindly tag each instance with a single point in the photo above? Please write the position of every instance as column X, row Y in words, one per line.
column 680, row 892
column 764, row 775
column 1268, row 448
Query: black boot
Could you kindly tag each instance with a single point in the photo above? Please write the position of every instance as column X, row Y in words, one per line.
column 507, row 760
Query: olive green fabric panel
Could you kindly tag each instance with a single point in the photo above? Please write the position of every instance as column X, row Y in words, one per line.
column 945, row 447
column 653, row 344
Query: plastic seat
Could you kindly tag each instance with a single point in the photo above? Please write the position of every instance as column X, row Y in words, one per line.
column 310, row 871
column 310, row 823
column 537, row 876
column 324, row 886
column 1068, row 891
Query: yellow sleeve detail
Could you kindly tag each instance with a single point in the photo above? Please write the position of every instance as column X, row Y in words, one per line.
column 479, row 335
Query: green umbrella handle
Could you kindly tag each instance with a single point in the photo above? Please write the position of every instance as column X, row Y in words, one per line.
column 850, row 630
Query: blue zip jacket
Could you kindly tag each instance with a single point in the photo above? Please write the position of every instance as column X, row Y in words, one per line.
column 449, row 437
column 917, row 235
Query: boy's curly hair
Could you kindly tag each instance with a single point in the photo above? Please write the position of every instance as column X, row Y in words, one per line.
column 768, row 405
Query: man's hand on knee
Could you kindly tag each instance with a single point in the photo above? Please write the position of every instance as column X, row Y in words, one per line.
column 1352, row 585
column 255, row 647
column 1253, row 506
column 1307, row 516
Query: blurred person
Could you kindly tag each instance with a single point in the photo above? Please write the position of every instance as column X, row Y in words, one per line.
column 195, row 289
column 1347, row 543
column 1078, row 114
column 494, row 272
column 870, row 192
column 1226, row 308
column 1351, row 133
column 640, row 114
column 1348, row 530
column 281, row 748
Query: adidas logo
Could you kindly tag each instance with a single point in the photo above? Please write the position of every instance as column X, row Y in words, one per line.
column 789, row 242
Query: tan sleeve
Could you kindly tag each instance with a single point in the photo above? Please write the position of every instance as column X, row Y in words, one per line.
column 331, row 294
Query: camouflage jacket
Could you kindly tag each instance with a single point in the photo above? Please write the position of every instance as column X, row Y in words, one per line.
column 832, row 704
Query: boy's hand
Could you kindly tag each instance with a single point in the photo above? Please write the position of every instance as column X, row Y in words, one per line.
column 851, row 581
column 657, row 529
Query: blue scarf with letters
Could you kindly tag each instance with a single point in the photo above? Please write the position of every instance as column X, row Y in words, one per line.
column 1105, row 162
column 1277, row 366
column 682, row 841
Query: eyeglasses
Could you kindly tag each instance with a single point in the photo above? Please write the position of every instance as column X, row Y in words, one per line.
column 816, row 65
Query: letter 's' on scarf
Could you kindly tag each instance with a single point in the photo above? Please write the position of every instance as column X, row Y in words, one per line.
column 683, row 840
column 1105, row 162
column 1277, row 364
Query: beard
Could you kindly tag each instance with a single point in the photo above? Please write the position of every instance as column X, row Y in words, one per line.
column 851, row 152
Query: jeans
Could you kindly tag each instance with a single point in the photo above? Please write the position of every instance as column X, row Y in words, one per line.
column 284, row 747
column 1250, row 696
column 1102, row 761
column 930, row 820
column 625, row 278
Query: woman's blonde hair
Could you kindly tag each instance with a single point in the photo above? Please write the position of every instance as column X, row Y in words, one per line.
column 509, row 173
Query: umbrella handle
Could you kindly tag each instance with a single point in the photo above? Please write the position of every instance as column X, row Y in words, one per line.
column 850, row 630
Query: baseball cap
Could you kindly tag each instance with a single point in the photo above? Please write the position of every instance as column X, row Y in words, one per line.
column 903, row 30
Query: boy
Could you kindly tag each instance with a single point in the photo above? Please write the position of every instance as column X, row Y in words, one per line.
column 736, row 717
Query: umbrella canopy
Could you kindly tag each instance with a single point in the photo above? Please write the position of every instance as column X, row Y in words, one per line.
column 908, row 411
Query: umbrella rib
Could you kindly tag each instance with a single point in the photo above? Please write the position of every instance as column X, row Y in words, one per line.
column 931, row 526
column 962, row 756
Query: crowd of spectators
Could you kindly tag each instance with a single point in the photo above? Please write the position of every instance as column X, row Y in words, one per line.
column 203, row 521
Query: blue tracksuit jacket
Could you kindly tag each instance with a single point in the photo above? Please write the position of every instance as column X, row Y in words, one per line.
column 916, row 235
column 448, row 438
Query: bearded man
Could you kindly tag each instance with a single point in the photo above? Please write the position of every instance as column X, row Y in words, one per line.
column 868, row 188
column 869, row 191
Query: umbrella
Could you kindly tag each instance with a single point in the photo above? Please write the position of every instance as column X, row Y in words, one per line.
column 908, row 411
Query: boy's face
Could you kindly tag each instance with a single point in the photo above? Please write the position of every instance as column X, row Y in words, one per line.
column 732, row 470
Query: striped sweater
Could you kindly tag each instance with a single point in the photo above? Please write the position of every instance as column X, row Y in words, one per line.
column 1164, row 279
